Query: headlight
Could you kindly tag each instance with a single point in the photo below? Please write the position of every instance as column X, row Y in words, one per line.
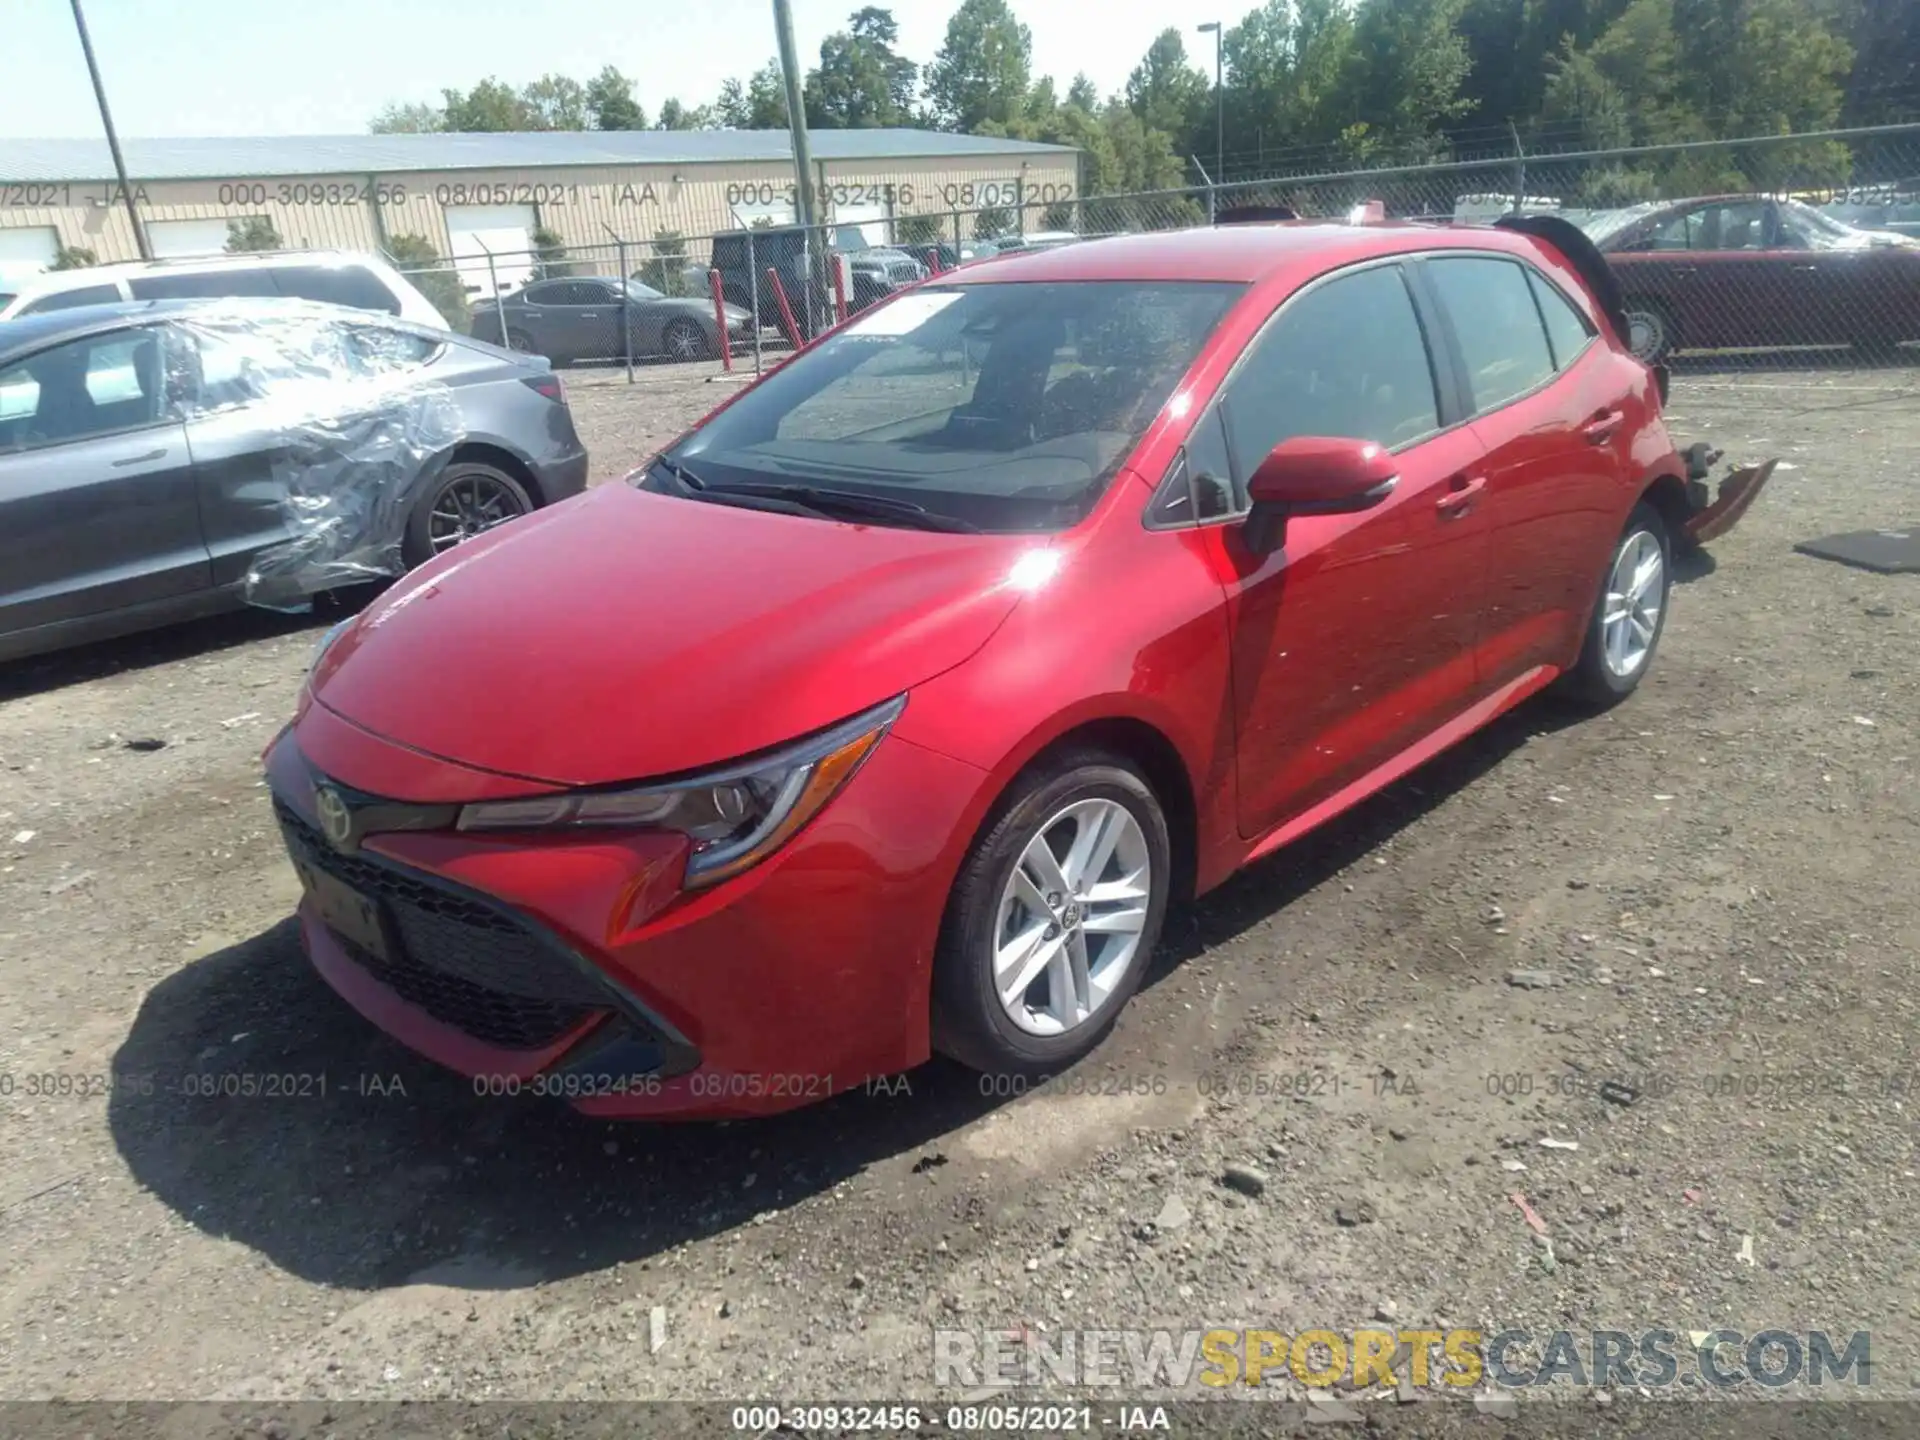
column 736, row 816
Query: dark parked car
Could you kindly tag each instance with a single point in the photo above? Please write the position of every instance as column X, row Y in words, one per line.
column 588, row 317
column 1734, row 271
column 946, row 255
column 743, row 259
column 158, row 458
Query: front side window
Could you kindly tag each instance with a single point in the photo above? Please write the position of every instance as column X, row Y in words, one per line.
column 85, row 388
column 1345, row 359
column 1006, row 406
column 1498, row 325
column 1199, row 485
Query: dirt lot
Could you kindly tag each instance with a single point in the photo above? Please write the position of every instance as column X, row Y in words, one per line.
column 1718, row 880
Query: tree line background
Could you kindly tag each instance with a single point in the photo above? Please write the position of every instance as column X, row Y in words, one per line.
column 1323, row 85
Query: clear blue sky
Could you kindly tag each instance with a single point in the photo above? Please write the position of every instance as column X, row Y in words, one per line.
column 319, row 67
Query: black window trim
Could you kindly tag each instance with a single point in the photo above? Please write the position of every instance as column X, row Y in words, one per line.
column 164, row 415
column 1459, row 362
column 1538, row 276
column 1442, row 362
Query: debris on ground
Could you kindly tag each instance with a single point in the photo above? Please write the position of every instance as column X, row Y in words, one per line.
column 1247, row 1179
column 1172, row 1215
column 145, row 744
column 1532, row 979
column 1350, row 1213
column 1618, row 1092
column 1553, row 1142
column 1538, row 1225
column 656, row 1329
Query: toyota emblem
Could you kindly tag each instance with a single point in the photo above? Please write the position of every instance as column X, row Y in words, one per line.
column 336, row 820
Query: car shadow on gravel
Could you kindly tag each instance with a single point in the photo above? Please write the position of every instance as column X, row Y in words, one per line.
column 191, row 640
column 261, row 1109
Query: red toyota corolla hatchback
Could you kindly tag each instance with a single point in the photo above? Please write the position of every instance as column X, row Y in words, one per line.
column 887, row 710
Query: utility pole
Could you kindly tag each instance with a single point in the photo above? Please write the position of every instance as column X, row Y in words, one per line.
column 796, row 114
column 113, row 140
column 1218, row 31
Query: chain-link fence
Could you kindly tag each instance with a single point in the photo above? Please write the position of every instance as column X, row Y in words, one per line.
column 1787, row 249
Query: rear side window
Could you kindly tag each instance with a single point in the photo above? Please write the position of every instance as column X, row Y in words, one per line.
column 73, row 299
column 353, row 286
column 1348, row 358
column 1502, row 338
column 1567, row 328
column 202, row 285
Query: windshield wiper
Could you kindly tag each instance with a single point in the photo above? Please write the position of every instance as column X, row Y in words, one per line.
column 842, row 504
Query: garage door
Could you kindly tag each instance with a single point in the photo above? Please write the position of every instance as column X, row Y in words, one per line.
column 26, row 251
column 173, row 238
column 870, row 220
column 506, row 230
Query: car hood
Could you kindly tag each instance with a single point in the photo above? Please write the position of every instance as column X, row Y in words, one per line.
column 627, row 635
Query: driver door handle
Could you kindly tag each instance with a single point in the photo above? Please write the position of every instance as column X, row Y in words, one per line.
column 1603, row 427
column 159, row 454
column 1462, row 491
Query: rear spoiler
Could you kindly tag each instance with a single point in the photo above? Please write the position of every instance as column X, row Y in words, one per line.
column 1583, row 255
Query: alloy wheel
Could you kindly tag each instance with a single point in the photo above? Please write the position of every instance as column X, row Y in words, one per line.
column 684, row 341
column 1070, row 917
column 1636, row 592
column 468, row 505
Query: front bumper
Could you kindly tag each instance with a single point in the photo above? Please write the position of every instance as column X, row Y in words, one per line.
column 575, row 967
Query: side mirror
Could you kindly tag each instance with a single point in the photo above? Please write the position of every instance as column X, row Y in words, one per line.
column 1315, row 475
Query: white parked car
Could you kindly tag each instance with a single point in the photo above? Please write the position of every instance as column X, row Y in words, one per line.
column 333, row 277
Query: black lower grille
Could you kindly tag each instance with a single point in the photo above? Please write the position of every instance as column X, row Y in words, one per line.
column 465, row 963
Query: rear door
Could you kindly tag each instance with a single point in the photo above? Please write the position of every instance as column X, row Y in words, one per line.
column 1551, row 412
column 97, row 509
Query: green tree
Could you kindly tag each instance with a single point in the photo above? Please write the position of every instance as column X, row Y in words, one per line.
column 1289, row 73
column 414, row 257
column 1404, row 80
column 675, row 116
column 256, row 232
column 1884, row 85
column 763, row 104
column 555, row 102
column 549, row 254
column 982, row 72
column 731, row 108
column 1168, row 94
column 491, row 105
column 609, row 101
column 862, row 81
column 666, row 269
column 407, row 120
column 917, row 229
column 74, row 257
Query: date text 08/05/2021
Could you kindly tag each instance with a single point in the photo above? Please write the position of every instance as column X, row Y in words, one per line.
column 993, row 1418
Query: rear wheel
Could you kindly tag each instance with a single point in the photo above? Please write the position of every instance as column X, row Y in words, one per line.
column 1053, row 918
column 685, row 340
column 469, row 498
column 1650, row 330
column 1625, row 629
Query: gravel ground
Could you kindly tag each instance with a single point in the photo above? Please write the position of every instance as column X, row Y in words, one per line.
column 1715, row 883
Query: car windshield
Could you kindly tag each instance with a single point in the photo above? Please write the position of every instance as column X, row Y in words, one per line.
column 1807, row 225
column 641, row 291
column 1007, row 407
column 1605, row 224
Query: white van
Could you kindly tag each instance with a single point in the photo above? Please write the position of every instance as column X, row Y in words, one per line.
column 332, row 277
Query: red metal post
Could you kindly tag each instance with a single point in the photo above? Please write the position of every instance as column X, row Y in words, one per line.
column 839, row 290
column 786, row 310
column 720, row 319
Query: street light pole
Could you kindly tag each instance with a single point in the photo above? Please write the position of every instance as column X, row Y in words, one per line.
column 1215, row 29
column 113, row 140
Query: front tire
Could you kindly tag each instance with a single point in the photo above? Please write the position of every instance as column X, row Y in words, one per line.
column 1053, row 918
column 1630, row 615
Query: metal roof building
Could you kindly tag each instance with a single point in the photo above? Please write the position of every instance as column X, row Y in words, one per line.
column 468, row 196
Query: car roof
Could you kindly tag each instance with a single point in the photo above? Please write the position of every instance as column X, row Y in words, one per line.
column 30, row 331
column 1243, row 253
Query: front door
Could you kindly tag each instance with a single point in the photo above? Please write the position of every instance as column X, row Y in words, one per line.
column 97, row 505
column 1355, row 639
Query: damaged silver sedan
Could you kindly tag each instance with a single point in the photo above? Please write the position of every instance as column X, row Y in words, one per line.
column 166, row 460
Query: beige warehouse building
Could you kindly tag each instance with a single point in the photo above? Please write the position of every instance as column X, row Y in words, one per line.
column 469, row 195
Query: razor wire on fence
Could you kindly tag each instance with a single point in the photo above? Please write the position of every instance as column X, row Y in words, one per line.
column 1743, row 248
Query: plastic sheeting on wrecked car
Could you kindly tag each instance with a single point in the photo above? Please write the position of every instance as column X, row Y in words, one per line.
column 354, row 430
